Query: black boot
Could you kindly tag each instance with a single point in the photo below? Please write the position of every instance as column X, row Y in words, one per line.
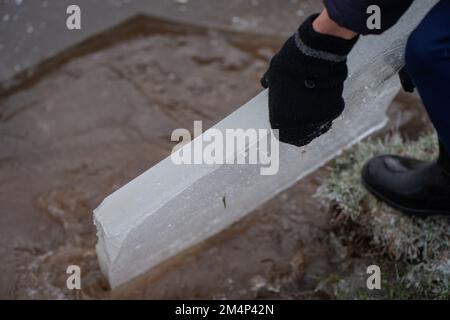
column 411, row 186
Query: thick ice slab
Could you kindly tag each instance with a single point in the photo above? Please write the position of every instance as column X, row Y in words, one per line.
column 172, row 207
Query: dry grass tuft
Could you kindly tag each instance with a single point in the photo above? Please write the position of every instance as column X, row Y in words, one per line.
column 419, row 247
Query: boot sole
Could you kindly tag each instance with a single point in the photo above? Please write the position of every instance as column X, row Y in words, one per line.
column 406, row 210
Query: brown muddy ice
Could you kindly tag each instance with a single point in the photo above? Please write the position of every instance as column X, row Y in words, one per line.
column 84, row 127
column 91, row 121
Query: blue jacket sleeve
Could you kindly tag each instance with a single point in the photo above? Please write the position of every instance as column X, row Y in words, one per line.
column 352, row 14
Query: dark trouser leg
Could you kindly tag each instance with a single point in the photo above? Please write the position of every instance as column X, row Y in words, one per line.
column 412, row 186
column 428, row 63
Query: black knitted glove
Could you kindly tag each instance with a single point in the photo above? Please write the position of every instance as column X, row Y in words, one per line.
column 405, row 80
column 305, row 81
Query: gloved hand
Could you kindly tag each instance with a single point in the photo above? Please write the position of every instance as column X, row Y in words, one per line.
column 305, row 81
column 406, row 80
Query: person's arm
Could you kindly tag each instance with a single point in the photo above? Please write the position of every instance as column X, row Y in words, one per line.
column 325, row 25
column 353, row 15
column 306, row 80
column 306, row 77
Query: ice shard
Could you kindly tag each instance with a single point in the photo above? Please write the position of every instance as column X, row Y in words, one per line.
column 170, row 208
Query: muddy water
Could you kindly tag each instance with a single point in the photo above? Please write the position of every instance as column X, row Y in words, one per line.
column 92, row 124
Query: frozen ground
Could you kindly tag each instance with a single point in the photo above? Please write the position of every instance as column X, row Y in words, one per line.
column 33, row 30
column 93, row 124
